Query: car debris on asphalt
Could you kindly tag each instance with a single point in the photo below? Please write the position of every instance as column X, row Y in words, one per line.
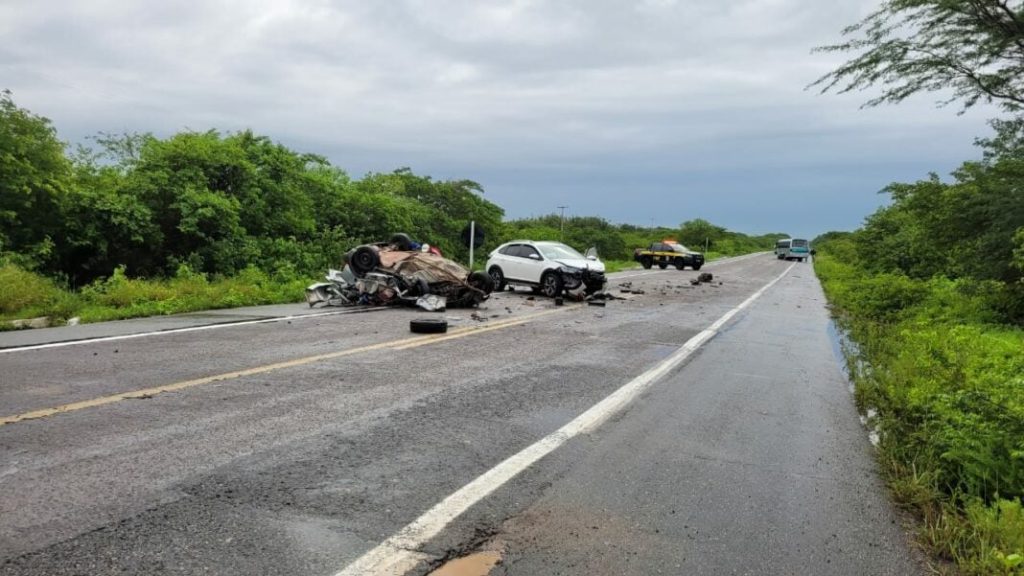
column 400, row 272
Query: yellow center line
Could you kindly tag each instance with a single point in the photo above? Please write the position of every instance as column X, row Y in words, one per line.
column 402, row 344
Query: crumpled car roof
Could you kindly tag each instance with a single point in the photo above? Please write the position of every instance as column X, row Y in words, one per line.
column 430, row 267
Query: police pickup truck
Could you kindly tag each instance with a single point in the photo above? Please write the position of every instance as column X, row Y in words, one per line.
column 668, row 252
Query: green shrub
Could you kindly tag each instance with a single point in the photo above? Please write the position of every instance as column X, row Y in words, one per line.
column 22, row 291
column 944, row 377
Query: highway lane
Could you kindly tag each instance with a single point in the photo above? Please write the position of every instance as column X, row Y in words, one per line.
column 747, row 461
column 335, row 439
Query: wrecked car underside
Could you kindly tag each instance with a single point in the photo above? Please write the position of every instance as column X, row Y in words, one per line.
column 382, row 274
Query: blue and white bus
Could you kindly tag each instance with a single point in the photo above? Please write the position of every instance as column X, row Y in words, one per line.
column 793, row 249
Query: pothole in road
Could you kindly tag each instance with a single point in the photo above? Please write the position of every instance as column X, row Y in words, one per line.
column 476, row 564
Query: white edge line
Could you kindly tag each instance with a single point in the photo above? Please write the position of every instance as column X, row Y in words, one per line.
column 398, row 554
column 169, row 331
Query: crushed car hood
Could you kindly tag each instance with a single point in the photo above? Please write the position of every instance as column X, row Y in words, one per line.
column 582, row 264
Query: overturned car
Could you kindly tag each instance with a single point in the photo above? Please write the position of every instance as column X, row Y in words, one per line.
column 394, row 273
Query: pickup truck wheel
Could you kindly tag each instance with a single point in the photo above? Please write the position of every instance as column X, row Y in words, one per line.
column 680, row 264
column 646, row 262
column 551, row 284
column 662, row 265
column 695, row 267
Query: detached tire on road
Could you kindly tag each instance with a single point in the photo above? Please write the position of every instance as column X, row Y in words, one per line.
column 428, row 325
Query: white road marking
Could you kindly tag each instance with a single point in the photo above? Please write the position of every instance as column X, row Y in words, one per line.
column 398, row 554
column 175, row 331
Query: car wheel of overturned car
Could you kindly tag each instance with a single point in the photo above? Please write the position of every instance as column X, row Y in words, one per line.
column 481, row 281
column 363, row 260
column 402, row 241
column 498, row 277
column 646, row 262
column 422, row 288
column 551, row 284
column 428, row 325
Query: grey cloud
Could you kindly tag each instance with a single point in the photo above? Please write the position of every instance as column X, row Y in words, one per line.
column 574, row 99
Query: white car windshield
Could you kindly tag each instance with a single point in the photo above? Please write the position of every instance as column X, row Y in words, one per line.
column 559, row 252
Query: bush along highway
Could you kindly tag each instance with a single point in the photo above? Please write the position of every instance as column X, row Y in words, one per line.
column 937, row 358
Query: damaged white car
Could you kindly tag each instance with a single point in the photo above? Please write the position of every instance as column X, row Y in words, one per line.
column 550, row 268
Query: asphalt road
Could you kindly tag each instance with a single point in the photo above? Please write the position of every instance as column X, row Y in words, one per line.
column 280, row 440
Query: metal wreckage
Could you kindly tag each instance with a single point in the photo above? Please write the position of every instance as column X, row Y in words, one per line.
column 400, row 272
column 404, row 273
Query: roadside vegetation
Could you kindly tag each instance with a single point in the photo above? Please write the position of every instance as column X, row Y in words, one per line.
column 938, row 364
column 930, row 291
column 137, row 225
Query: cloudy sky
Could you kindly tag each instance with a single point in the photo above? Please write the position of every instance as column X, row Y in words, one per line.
column 643, row 112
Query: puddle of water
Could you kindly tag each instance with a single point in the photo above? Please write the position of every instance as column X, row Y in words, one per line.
column 836, row 339
column 839, row 344
column 477, row 564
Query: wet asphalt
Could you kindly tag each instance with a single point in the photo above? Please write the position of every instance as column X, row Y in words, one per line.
column 749, row 459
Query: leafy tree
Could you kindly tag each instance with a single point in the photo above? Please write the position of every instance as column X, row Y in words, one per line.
column 105, row 225
column 974, row 47
column 438, row 210
column 34, row 175
column 696, row 232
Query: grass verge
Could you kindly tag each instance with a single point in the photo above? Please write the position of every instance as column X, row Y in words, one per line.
column 945, row 381
column 24, row 294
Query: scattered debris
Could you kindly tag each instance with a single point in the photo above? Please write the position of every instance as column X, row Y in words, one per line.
column 597, row 303
column 703, row 277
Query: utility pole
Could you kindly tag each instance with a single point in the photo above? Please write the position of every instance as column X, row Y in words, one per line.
column 561, row 223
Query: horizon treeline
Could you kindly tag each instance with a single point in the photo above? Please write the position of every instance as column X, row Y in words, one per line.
column 217, row 204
